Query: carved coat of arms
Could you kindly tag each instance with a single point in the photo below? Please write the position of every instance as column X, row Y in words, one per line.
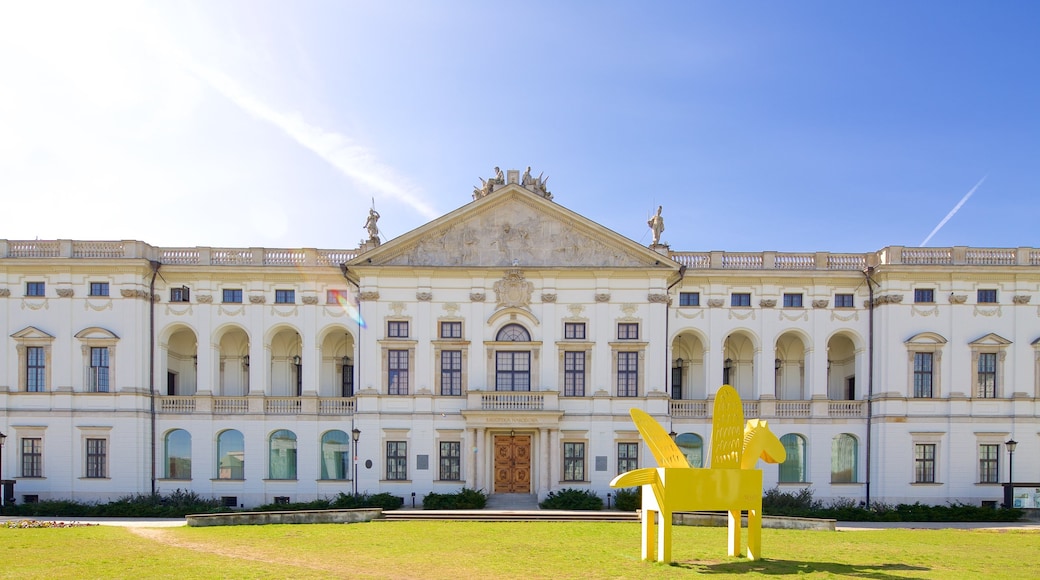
column 513, row 290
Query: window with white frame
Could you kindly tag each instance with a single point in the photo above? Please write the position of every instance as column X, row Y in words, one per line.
column 98, row 289
column 35, row 289
column 33, row 347
column 450, row 461
column 988, row 354
column 924, row 295
column 924, row 357
column 574, row 330
column 987, row 376
column 397, row 460
column 986, row 296
column 574, row 373
column 628, row 331
column 231, row 296
column 451, row 372
column 844, row 301
column 451, row 329
column 35, row 369
column 923, row 365
column 397, row 329
column 97, row 381
column 574, row 461
column 512, row 370
column 32, row 457
column 627, row 374
column 989, row 463
column 792, row 300
column 627, row 457
column 689, row 299
column 740, row 299
column 285, row 296
column 397, row 372
column 97, row 458
column 924, row 462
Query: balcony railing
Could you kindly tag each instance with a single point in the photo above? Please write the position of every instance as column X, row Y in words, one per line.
column 230, row 405
column 793, row 408
column 512, row 401
column 846, row 408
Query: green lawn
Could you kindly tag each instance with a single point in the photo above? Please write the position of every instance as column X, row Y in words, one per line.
column 530, row 550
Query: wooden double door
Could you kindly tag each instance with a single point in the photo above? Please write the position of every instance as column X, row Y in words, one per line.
column 512, row 464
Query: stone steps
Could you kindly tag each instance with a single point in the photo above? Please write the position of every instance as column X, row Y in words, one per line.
column 489, row 515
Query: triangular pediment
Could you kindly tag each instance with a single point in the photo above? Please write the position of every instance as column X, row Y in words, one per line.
column 31, row 333
column 96, row 333
column 926, row 338
column 990, row 339
column 514, row 227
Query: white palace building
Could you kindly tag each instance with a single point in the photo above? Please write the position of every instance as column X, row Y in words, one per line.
column 500, row 347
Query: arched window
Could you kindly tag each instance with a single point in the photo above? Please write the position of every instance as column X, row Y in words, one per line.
column 177, row 448
column 231, row 455
column 335, row 455
column 793, row 469
column 513, row 333
column 692, row 446
column 844, row 458
column 282, row 445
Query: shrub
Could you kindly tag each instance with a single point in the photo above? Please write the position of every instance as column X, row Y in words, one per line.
column 364, row 500
column 465, row 499
column 629, row 500
column 572, row 499
column 782, row 503
column 177, row 504
column 318, row 504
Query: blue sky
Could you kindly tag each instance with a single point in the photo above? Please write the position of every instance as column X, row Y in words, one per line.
column 787, row 126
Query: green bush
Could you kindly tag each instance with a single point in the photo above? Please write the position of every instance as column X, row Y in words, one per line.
column 572, row 499
column 364, row 500
column 465, row 499
column 318, row 504
column 802, row 504
column 177, row 504
column 629, row 500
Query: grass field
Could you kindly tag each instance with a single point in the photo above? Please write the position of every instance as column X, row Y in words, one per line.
column 528, row 550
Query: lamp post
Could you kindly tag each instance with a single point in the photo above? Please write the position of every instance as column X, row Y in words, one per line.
column 3, row 490
column 1011, row 444
column 355, row 435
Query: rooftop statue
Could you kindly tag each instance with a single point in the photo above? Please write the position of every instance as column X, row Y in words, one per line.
column 656, row 224
column 370, row 225
column 731, row 483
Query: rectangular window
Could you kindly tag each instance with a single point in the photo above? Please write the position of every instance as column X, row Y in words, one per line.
column 451, row 461
column 182, row 294
column 32, row 457
column 451, row 372
column 512, row 371
column 348, row 379
column 628, row 331
column 574, row 462
column 335, row 297
column 98, row 370
column 397, row 460
column 923, row 375
column 285, row 296
column 924, row 296
column 35, row 369
column 792, row 300
column 628, row 374
column 924, row 463
column 987, row 296
column 397, row 329
column 574, row 374
column 451, row 330
column 677, row 382
column 627, row 457
column 99, row 288
column 740, row 299
column 689, row 299
column 397, row 367
column 233, row 296
column 96, row 458
column 35, row 289
column 843, row 301
column 988, row 469
column 987, row 388
column 574, row 330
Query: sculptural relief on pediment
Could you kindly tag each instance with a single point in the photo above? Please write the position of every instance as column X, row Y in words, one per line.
column 513, row 234
column 513, row 291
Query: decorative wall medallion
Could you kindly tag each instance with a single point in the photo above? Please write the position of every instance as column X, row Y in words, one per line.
column 398, row 308
column 658, row 298
column 767, row 302
column 257, row 299
column 5, row 292
column 576, row 310
column 65, row 292
column 513, row 291
column 820, row 303
column 1020, row 299
column 142, row 294
column 424, row 296
column 312, row 300
column 958, row 298
column 204, row 298
column 477, row 297
column 888, row 299
column 716, row 302
column 629, row 310
column 602, row 297
column 369, row 295
column 451, row 308
column 548, row 297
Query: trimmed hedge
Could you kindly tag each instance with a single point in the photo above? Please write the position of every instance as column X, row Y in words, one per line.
column 572, row 499
column 629, row 499
column 801, row 504
column 464, row 499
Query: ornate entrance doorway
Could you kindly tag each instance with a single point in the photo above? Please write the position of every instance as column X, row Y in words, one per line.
column 512, row 464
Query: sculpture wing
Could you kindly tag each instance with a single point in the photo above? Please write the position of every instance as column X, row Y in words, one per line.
column 727, row 429
column 665, row 451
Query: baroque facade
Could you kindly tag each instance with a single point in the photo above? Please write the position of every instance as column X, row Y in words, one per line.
column 500, row 347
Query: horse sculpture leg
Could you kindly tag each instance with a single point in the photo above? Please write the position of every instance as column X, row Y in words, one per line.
column 649, row 533
column 664, row 538
column 754, row 530
column 734, row 532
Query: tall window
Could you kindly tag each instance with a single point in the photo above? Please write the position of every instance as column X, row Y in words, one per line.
column 792, row 470
column 692, row 446
column 231, row 455
column 285, row 296
column 924, row 463
column 924, row 296
column 628, row 374
column 844, row 459
column 35, row 289
column 96, row 458
column 574, row 330
column 740, row 299
column 397, row 460
column 792, row 300
column 987, row 387
column 512, row 371
column 98, row 369
column 677, row 382
column 451, row 372
column 451, row 330
column 987, row 296
column 32, row 457
column 574, row 462
column 99, row 288
column 282, row 445
column 347, row 374
column 35, row 369
column 177, row 448
column 988, row 469
column 923, row 375
column 232, row 296
column 397, row 329
column 397, row 367
column 574, row 374
column 627, row 457
column 335, row 455
column 628, row 331
column 450, row 461
column 689, row 299
column 843, row 301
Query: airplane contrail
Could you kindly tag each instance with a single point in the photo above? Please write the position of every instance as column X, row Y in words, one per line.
column 953, row 211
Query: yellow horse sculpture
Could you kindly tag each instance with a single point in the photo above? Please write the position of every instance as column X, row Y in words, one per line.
column 731, row 483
